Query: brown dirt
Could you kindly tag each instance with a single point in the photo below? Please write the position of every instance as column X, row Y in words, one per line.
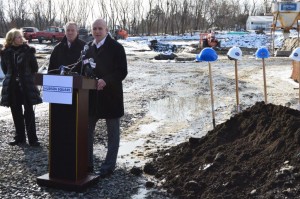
column 254, row 154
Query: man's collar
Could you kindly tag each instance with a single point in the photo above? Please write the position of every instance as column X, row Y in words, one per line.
column 98, row 45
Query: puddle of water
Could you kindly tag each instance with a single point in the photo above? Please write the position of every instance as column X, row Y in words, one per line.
column 128, row 146
column 148, row 128
column 177, row 109
column 125, row 149
column 142, row 193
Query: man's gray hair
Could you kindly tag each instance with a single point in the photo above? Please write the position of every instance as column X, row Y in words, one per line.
column 71, row 23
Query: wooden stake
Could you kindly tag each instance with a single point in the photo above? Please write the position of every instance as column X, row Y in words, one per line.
column 299, row 87
column 265, row 83
column 236, row 87
column 211, row 95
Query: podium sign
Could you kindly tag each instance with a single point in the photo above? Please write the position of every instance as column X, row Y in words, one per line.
column 68, row 135
column 57, row 89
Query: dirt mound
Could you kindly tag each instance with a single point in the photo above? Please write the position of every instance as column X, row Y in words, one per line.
column 254, row 154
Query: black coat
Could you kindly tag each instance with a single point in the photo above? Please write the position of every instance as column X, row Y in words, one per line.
column 19, row 63
column 111, row 66
column 63, row 55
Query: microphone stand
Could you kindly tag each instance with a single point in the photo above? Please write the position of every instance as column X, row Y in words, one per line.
column 82, row 56
column 62, row 70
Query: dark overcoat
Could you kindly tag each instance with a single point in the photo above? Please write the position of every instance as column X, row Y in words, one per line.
column 111, row 66
column 63, row 55
column 19, row 65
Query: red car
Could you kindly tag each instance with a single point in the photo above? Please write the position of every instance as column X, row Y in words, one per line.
column 51, row 33
column 30, row 33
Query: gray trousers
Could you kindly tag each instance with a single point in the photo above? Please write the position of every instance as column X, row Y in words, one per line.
column 113, row 134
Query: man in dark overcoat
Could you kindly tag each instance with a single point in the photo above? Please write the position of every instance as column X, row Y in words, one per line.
column 107, row 101
column 67, row 52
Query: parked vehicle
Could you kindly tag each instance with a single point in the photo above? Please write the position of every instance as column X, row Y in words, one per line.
column 84, row 35
column 29, row 33
column 51, row 33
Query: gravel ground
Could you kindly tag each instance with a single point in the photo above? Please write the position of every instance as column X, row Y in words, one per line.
column 21, row 165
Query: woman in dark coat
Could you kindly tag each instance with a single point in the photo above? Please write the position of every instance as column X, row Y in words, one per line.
column 19, row 64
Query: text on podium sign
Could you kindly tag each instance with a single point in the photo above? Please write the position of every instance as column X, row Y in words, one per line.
column 57, row 89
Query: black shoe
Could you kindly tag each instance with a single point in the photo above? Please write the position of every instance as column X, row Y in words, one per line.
column 36, row 143
column 17, row 142
column 106, row 174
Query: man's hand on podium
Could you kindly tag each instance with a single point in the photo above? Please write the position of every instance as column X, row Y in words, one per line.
column 101, row 84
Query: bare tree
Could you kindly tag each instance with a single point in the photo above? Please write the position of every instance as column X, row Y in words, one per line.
column 255, row 4
column 267, row 5
column 141, row 11
column 3, row 21
column 66, row 11
column 137, row 16
column 102, row 10
column 83, row 11
column 199, row 16
column 173, row 9
column 113, row 14
column 184, row 16
column 17, row 13
column 159, row 14
column 42, row 15
column 150, row 18
column 108, row 11
column 125, row 9
column 166, row 18
column 38, row 9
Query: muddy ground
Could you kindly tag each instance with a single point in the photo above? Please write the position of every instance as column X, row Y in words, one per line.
column 250, row 154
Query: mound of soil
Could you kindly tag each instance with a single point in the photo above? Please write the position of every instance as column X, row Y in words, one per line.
column 255, row 154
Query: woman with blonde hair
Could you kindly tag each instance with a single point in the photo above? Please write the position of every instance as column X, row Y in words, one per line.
column 18, row 63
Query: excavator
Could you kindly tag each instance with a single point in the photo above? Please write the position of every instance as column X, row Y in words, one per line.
column 286, row 16
column 120, row 34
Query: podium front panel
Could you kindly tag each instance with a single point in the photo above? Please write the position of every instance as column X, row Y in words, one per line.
column 68, row 143
column 68, row 155
column 63, row 141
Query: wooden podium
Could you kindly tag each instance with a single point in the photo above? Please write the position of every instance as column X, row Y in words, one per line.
column 68, row 139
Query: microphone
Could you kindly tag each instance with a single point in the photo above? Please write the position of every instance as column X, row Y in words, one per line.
column 85, row 48
column 89, row 66
column 62, row 70
column 92, row 63
column 83, row 53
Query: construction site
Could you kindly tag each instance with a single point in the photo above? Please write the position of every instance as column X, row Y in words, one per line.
column 215, row 123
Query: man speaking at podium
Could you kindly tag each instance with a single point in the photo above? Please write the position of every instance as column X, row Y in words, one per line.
column 107, row 101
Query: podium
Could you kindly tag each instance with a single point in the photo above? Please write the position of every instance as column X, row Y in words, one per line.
column 68, row 139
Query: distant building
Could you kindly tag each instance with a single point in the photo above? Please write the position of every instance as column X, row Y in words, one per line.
column 259, row 23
